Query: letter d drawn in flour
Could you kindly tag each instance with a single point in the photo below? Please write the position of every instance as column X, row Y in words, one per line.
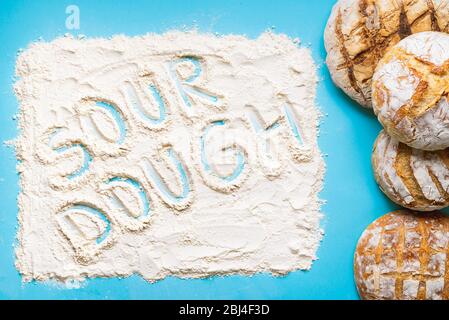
column 87, row 228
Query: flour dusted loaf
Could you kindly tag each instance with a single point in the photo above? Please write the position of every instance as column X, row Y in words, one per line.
column 412, row 178
column 359, row 32
column 403, row 255
column 411, row 88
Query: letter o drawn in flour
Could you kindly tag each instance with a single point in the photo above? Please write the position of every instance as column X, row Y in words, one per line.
column 102, row 119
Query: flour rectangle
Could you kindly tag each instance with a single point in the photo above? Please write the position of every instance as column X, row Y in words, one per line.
column 178, row 154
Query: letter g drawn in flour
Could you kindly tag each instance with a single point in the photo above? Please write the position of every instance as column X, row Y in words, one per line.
column 222, row 182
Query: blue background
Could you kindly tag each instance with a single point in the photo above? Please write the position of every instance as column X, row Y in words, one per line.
column 347, row 134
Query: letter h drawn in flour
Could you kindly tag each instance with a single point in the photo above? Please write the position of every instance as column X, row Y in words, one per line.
column 266, row 150
column 298, row 140
column 266, row 153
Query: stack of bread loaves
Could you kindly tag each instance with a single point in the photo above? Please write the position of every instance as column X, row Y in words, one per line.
column 393, row 56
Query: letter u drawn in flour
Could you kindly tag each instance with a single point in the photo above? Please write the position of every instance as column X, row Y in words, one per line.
column 154, row 96
column 178, row 200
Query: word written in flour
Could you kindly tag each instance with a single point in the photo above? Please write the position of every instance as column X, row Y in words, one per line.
column 177, row 154
column 127, row 194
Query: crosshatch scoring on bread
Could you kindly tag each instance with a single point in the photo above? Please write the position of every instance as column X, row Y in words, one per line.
column 359, row 32
column 403, row 255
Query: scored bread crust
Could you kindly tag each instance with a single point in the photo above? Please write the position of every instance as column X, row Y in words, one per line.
column 359, row 32
column 411, row 89
column 404, row 255
column 412, row 178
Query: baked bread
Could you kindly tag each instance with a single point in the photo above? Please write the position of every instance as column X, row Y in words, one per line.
column 403, row 256
column 411, row 88
column 412, row 178
column 359, row 32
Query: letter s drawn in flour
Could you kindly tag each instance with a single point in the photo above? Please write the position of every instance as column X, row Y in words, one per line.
column 67, row 147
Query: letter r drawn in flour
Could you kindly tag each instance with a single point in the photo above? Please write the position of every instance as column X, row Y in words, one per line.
column 185, row 72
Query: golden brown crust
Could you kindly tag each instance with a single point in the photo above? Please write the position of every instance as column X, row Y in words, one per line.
column 397, row 165
column 404, row 255
column 359, row 32
column 410, row 91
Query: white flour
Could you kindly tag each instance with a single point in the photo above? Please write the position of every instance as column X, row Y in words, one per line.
column 177, row 154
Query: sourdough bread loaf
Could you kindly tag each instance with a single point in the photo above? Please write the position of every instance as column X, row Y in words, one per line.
column 403, row 255
column 412, row 178
column 411, row 88
column 359, row 32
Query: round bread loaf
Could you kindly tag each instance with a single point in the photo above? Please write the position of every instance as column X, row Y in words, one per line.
column 411, row 88
column 359, row 32
column 412, row 178
column 403, row 255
